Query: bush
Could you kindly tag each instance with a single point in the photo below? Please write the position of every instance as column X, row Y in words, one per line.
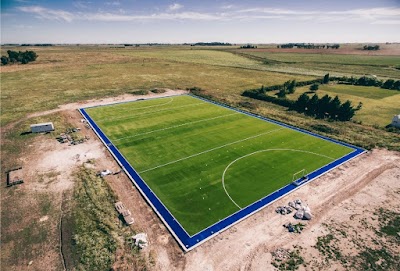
column 314, row 87
column 139, row 92
column 23, row 57
column 157, row 90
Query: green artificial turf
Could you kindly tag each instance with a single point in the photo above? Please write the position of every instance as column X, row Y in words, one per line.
column 182, row 145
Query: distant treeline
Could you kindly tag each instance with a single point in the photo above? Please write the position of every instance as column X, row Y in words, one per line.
column 371, row 47
column 248, row 46
column 309, row 46
column 211, row 44
column 22, row 57
column 37, row 44
column 361, row 81
column 369, row 82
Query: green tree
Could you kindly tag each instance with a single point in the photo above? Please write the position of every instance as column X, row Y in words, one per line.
column 326, row 79
column 314, row 87
column 334, row 108
column 323, row 106
column 389, row 84
column 291, row 88
column 346, row 111
column 396, row 85
column 302, row 103
column 282, row 93
column 4, row 60
column 312, row 105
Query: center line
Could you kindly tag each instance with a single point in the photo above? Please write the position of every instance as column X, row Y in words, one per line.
column 213, row 149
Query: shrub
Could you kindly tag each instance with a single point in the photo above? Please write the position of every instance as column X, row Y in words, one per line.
column 314, row 87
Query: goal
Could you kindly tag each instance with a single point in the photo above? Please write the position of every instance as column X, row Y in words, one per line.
column 300, row 177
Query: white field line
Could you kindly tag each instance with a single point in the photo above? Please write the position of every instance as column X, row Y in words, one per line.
column 176, row 126
column 244, row 156
column 145, row 113
column 213, row 149
column 138, row 108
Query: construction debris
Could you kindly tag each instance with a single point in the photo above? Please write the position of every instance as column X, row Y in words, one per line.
column 126, row 214
column 302, row 210
column 104, row 173
column 69, row 137
column 296, row 228
column 283, row 210
column 140, row 240
column 14, row 176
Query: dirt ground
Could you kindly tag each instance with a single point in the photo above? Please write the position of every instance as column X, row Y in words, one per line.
column 345, row 196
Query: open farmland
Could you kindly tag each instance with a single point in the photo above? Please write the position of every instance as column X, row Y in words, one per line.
column 379, row 105
column 206, row 162
column 71, row 74
column 338, row 64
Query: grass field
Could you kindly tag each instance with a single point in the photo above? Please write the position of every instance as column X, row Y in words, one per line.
column 382, row 66
column 71, row 74
column 379, row 105
column 205, row 162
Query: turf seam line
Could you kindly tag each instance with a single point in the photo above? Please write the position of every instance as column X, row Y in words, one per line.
column 138, row 108
column 209, row 150
column 266, row 150
column 176, row 126
column 145, row 113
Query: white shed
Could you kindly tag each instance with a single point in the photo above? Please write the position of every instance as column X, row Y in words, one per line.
column 42, row 127
column 396, row 121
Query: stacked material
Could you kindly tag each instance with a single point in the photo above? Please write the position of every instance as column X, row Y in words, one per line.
column 140, row 240
column 303, row 211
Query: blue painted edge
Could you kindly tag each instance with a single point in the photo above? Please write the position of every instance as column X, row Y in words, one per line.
column 186, row 241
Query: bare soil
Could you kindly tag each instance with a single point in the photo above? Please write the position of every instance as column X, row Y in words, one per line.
column 344, row 198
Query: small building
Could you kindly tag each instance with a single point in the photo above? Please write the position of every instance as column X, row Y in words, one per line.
column 396, row 121
column 42, row 127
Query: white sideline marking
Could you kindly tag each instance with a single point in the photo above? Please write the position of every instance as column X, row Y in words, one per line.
column 171, row 127
column 130, row 117
column 213, row 149
column 244, row 156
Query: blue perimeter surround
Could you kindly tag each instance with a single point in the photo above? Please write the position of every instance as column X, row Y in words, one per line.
column 186, row 241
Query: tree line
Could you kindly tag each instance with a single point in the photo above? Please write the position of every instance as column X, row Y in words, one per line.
column 325, row 107
column 211, row 44
column 248, row 46
column 22, row 57
column 371, row 47
column 369, row 81
column 309, row 46
column 361, row 81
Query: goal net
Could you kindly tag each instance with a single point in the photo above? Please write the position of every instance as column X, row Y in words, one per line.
column 300, row 177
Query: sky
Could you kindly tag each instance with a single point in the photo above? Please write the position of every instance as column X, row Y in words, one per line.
column 158, row 21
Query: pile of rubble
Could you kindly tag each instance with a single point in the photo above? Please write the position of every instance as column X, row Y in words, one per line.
column 302, row 210
column 68, row 137
column 283, row 210
column 296, row 228
column 140, row 240
column 281, row 253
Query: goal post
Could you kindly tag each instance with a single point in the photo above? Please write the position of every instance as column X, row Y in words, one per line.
column 300, row 177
